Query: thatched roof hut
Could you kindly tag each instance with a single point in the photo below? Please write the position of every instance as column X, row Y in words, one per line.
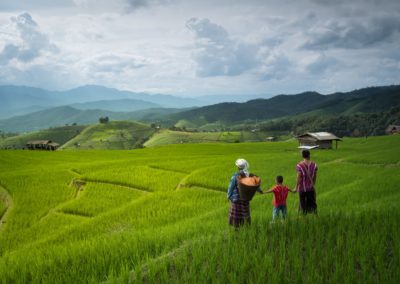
column 322, row 140
column 42, row 145
column 392, row 129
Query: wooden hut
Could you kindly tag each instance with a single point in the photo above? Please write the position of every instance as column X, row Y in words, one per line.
column 322, row 140
column 42, row 145
column 393, row 129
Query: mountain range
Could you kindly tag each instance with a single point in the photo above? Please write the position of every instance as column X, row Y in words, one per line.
column 367, row 100
column 20, row 100
column 87, row 104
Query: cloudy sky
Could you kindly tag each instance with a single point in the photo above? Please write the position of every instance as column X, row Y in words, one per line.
column 191, row 47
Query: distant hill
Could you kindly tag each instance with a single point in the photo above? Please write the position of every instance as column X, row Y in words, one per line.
column 374, row 99
column 113, row 135
column 212, row 117
column 59, row 135
column 159, row 115
column 52, row 117
column 347, row 124
column 60, row 116
column 20, row 100
column 166, row 137
column 122, row 105
column 90, row 93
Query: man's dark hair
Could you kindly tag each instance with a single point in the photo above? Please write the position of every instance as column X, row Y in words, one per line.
column 279, row 179
column 306, row 154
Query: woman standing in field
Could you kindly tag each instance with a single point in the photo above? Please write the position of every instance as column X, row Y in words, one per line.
column 306, row 178
column 239, row 212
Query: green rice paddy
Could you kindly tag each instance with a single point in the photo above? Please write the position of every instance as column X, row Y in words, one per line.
column 159, row 215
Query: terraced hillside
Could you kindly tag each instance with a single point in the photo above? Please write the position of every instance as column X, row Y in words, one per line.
column 166, row 137
column 113, row 135
column 160, row 215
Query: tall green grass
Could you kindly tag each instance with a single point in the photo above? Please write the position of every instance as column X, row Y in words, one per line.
column 160, row 215
column 331, row 248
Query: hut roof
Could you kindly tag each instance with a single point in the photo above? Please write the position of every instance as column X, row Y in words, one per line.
column 320, row 136
column 39, row 142
column 393, row 127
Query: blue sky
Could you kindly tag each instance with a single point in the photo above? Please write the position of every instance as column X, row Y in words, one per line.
column 192, row 48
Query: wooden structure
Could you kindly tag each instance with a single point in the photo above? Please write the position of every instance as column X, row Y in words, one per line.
column 393, row 129
column 42, row 145
column 322, row 140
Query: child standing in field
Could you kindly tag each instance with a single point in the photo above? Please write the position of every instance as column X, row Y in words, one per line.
column 280, row 194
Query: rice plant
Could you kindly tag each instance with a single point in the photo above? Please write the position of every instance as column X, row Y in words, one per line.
column 160, row 215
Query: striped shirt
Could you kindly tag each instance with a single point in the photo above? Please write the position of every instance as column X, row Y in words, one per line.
column 304, row 183
column 280, row 194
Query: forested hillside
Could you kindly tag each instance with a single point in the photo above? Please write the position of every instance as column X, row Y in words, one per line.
column 358, row 124
column 368, row 100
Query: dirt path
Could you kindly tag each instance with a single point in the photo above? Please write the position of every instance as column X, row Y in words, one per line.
column 78, row 185
column 6, row 198
column 183, row 182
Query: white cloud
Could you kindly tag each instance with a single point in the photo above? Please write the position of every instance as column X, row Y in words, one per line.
column 118, row 5
column 217, row 54
column 134, row 4
column 29, row 43
column 322, row 64
column 201, row 47
column 354, row 33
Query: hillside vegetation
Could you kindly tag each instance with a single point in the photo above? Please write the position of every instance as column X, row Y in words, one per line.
column 113, row 135
column 357, row 124
column 160, row 216
column 217, row 117
column 57, row 116
column 120, row 135
column 166, row 137
column 368, row 100
column 59, row 135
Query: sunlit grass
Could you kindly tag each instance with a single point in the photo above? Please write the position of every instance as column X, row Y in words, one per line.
column 160, row 215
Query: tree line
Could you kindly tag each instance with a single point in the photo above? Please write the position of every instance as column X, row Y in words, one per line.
column 355, row 125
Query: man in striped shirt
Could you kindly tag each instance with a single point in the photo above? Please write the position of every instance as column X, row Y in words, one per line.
column 306, row 178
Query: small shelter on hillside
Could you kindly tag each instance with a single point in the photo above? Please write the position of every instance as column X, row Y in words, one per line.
column 270, row 139
column 322, row 140
column 42, row 145
column 393, row 129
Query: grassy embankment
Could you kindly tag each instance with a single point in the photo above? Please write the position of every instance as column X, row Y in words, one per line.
column 167, row 137
column 160, row 214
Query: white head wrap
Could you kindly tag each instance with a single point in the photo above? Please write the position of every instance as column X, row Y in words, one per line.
column 243, row 165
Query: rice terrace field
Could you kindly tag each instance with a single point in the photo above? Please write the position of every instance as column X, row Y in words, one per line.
column 159, row 215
